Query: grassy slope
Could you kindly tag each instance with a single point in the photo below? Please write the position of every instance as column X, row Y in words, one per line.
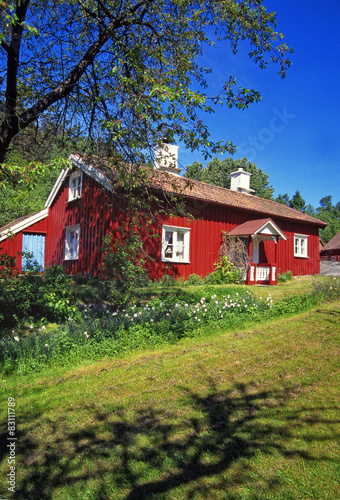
column 298, row 285
column 244, row 415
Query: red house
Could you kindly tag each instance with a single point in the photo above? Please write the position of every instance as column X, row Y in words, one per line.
column 81, row 213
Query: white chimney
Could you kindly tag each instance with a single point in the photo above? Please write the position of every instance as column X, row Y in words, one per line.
column 166, row 158
column 240, row 181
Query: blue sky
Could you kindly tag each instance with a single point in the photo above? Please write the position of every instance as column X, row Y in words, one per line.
column 293, row 133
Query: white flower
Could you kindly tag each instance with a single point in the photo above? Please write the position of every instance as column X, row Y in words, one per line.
column 31, row 327
column 46, row 345
column 43, row 327
column 70, row 319
column 16, row 338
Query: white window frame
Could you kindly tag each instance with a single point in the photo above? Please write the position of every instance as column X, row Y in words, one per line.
column 301, row 246
column 75, row 185
column 71, row 245
column 179, row 250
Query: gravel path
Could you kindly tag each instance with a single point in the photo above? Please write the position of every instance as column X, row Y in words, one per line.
column 329, row 268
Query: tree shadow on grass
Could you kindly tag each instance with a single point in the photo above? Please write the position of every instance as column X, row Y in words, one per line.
column 150, row 452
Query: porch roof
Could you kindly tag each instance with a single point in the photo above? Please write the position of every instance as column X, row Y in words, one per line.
column 257, row 227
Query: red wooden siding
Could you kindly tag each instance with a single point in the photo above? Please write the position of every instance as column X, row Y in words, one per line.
column 13, row 246
column 94, row 215
column 97, row 216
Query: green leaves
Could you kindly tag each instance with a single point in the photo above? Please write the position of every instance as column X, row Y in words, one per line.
column 129, row 72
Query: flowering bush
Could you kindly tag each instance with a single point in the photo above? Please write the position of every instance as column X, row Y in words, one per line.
column 98, row 333
column 109, row 332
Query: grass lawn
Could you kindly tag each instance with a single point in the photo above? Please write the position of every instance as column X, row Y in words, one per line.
column 301, row 284
column 251, row 414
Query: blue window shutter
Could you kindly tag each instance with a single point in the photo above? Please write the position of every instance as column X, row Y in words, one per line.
column 35, row 244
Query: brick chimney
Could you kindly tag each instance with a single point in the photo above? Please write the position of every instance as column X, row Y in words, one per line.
column 240, row 181
column 166, row 158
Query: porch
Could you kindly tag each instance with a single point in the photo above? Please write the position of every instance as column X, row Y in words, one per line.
column 261, row 238
column 262, row 274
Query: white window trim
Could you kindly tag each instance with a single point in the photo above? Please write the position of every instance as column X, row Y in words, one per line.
column 298, row 252
column 175, row 230
column 68, row 243
column 71, row 195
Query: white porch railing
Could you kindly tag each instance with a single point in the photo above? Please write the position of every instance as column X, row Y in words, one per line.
column 262, row 273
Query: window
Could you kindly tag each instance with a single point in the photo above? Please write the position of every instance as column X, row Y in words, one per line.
column 72, row 242
column 74, row 186
column 175, row 244
column 300, row 245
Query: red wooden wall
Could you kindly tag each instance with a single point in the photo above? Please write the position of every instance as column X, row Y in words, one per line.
column 96, row 213
column 13, row 246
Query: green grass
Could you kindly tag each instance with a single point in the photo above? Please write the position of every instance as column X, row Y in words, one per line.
column 298, row 285
column 248, row 414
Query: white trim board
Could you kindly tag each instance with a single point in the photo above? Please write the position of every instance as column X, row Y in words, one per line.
column 23, row 224
column 79, row 163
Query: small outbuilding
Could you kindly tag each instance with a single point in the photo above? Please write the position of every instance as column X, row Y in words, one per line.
column 24, row 239
column 331, row 251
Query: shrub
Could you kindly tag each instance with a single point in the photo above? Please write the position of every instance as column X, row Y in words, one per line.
column 122, row 268
column 225, row 272
column 35, row 297
column 7, row 265
column 283, row 277
column 194, row 280
column 168, row 280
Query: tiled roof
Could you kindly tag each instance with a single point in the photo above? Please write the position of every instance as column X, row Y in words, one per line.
column 190, row 188
column 216, row 194
column 333, row 244
column 250, row 227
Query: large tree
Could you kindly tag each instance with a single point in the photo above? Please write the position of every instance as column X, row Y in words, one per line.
column 125, row 69
column 218, row 172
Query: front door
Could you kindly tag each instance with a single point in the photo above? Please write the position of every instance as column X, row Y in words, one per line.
column 33, row 247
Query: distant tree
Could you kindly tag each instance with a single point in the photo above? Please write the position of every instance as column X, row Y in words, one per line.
column 310, row 210
column 126, row 71
column 218, row 172
column 283, row 199
column 195, row 171
column 297, row 202
column 329, row 213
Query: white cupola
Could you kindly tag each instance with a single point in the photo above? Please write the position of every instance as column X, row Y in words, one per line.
column 240, row 181
column 166, row 158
